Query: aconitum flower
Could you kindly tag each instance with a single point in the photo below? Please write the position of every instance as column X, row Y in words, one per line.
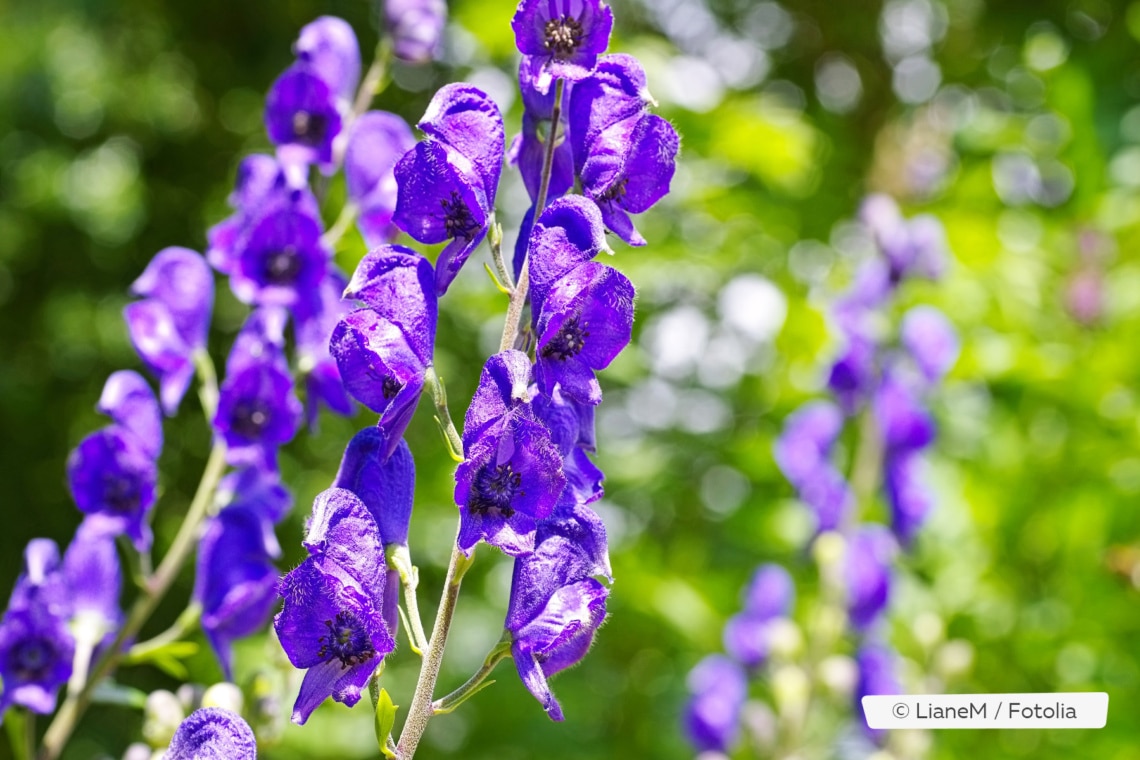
column 416, row 28
column 93, row 578
column 571, row 426
column 376, row 142
column 302, row 118
column 930, row 340
column 512, row 475
column 719, row 689
column 629, row 169
column 908, row 494
column 383, row 350
column 528, row 150
column 585, row 322
column 769, row 596
column 441, row 197
column 36, row 652
column 257, row 408
column 853, row 375
column 212, row 733
column 316, row 317
column 556, row 605
column 40, row 584
column 616, row 92
column 236, row 582
column 914, row 247
column 327, row 48
column 875, row 665
column 868, row 574
column 332, row 623
column 903, row 421
column 258, row 489
column 568, row 233
column 170, row 324
column 806, row 440
column 281, row 258
column 113, row 472
column 465, row 118
column 561, row 38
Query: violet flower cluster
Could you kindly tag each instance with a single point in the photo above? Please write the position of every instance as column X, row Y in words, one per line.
column 881, row 385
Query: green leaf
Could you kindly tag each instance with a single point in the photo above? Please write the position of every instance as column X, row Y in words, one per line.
column 385, row 720
column 111, row 693
column 14, row 722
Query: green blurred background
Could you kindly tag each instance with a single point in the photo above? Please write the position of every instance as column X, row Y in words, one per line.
column 1017, row 123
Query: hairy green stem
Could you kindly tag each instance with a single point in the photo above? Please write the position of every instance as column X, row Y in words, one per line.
column 421, row 710
column 186, row 623
column 340, row 226
column 519, row 293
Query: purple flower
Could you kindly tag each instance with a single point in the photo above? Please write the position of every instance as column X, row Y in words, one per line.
column 280, row 258
column 875, row 664
column 465, row 118
column 556, row 604
column 36, row 651
column 854, row 373
column 569, row 232
column 317, row 316
column 903, row 421
column 828, row 496
column 512, row 475
column 441, row 197
column 416, row 28
column 616, row 92
column 629, row 169
column 561, row 38
column 257, row 408
column 93, row 579
column 40, row 585
column 302, row 118
column 807, row 438
column 930, row 340
column 113, row 471
column 212, row 733
column 528, row 150
column 911, row 247
column 768, row 596
column 327, row 48
column 719, row 689
column 377, row 141
column 585, row 322
column 868, row 574
column 170, row 324
column 908, row 495
column 571, row 426
column 332, row 623
column 385, row 483
column 257, row 489
column 398, row 284
column 236, row 582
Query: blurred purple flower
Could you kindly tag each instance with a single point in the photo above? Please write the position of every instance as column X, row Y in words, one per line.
column 875, row 665
column 302, row 118
column 931, row 341
column 870, row 550
column 377, row 141
column 909, row 496
column 327, row 48
column 416, row 28
column 719, row 689
column 317, row 316
column 36, row 651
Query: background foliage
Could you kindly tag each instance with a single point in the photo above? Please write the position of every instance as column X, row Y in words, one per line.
column 121, row 124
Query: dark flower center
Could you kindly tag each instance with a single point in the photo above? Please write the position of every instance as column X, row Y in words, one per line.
column 563, row 36
column 494, row 489
column 391, row 387
column 31, row 659
column 283, row 266
column 347, row 641
column 309, row 128
column 569, row 341
column 614, row 193
column 120, row 492
column 249, row 419
column 457, row 217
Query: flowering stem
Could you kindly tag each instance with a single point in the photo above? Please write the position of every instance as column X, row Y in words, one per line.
column 340, row 226
column 476, row 682
column 373, row 82
column 186, row 622
column 76, row 704
column 519, row 294
column 421, row 710
column 207, row 385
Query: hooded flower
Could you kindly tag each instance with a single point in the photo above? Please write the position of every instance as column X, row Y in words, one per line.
column 386, row 484
column 528, row 150
column 302, row 118
column 556, row 604
column 416, row 28
column 170, row 324
column 212, row 733
column 332, row 623
column 585, row 322
column 719, row 689
column 327, row 48
column 875, row 665
column 113, row 472
column 257, row 408
column 854, row 374
column 868, row 574
column 805, row 443
column 377, row 141
column 465, row 118
column 236, row 581
column 383, row 350
column 36, row 652
column 317, row 316
column 571, row 426
column 615, row 93
column 93, row 579
column 904, row 422
column 568, row 233
column 629, row 169
column 769, row 596
column 441, row 197
column 512, row 475
column 908, row 494
column 930, row 340
column 561, row 38
column 281, row 259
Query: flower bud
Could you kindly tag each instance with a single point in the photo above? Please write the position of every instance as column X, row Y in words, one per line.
column 224, row 695
column 161, row 717
column 838, row 674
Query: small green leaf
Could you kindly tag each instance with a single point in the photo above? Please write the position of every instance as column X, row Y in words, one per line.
column 111, row 693
column 385, row 720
